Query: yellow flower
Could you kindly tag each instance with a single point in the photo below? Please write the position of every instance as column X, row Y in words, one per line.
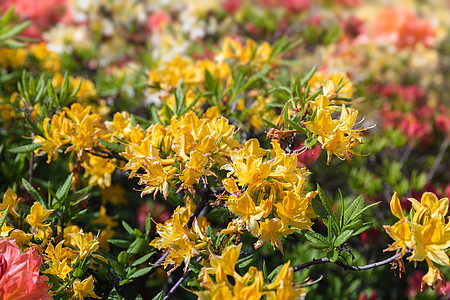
column 104, row 219
column 293, row 210
column 431, row 240
column 38, row 215
column 85, row 288
column 5, row 229
column 20, row 237
column 400, row 232
column 433, row 275
column 10, row 199
column 115, row 194
column 271, row 230
column 85, row 243
column 245, row 208
column 99, row 170
column 59, row 268
column 428, row 207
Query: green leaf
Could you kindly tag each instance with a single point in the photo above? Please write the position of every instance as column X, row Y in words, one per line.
column 317, row 239
column 118, row 148
column 140, row 272
column 143, row 259
column 308, row 76
column 14, row 30
column 353, row 208
column 359, row 213
column 120, row 243
column 127, row 227
column 195, row 266
column 3, row 217
column 320, row 210
column 363, row 228
column 25, row 148
column 333, row 255
column 148, row 225
column 274, row 273
column 342, row 238
column 269, row 124
column 246, row 261
column 114, row 295
column 137, row 246
column 160, row 296
column 63, row 190
column 327, row 205
column 34, row 194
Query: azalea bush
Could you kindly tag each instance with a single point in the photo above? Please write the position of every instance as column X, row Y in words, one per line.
column 222, row 150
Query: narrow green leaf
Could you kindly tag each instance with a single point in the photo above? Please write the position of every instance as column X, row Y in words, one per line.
column 354, row 207
column 63, row 190
column 320, row 210
column 246, row 261
column 15, row 30
column 317, row 239
column 143, row 259
column 137, row 246
column 269, row 124
column 274, row 273
column 25, row 148
column 160, row 296
column 327, row 204
column 148, row 225
column 118, row 148
column 342, row 238
column 3, row 217
column 363, row 228
column 140, row 272
column 127, row 228
column 120, row 243
column 34, row 194
column 308, row 76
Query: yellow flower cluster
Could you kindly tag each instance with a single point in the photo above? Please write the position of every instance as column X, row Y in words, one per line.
column 187, row 70
column 182, row 69
column 267, row 195
column 337, row 136
column 228, row 284
column 427, row 234
column 182, row 243
column 79, row 129
column 87, row 89
column 181, row 152
column 17, row 58
column 60, row 259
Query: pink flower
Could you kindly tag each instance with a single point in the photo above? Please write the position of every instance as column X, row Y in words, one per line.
column 19, row 273
column 43, row 13
column 231, row 6
column 308, row 157
column 157, row 20
column 296, row 6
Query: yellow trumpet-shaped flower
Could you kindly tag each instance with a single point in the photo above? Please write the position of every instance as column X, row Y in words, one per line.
column 431, row 239
column 83, row 289
column 38, row 215
column 428, row 207
column 10, row 199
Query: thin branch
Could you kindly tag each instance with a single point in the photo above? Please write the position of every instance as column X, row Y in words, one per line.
column 345, row 266
column 180, row 281
column 438, row 159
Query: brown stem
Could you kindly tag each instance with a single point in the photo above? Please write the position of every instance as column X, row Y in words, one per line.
column 345, row 266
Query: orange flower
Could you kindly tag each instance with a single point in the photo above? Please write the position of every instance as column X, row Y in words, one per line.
column 19, row 273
